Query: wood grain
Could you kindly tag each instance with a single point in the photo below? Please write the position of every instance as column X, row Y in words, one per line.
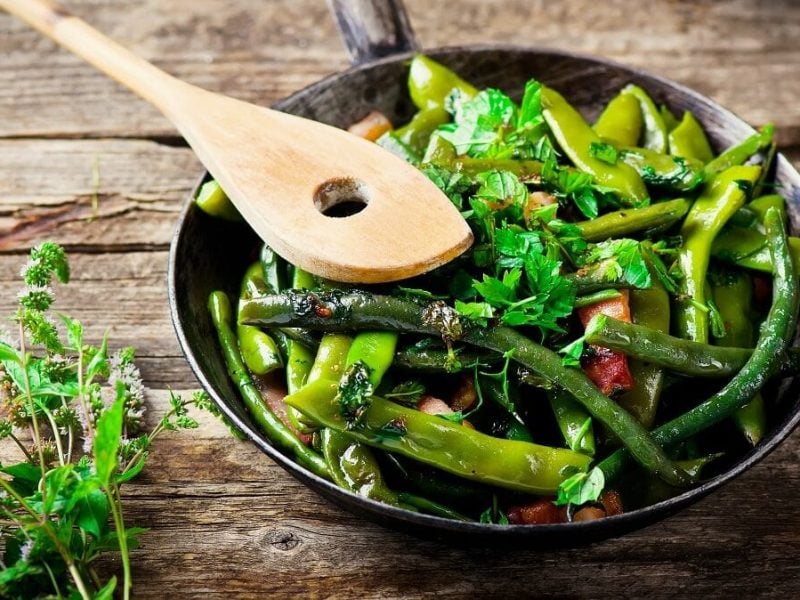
column 225, row 521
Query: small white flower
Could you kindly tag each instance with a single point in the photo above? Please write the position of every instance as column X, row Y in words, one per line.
column 25, row 550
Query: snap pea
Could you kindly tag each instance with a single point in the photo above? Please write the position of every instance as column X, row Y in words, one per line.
column 649, row 308
column 733, row 296
column 213, row 201
column 437, row 442
column 417, row 132
column 360, row 310
column 773, row 342
column 353, row 467
column 624, row 222
column 738, row 154
column 221, row 315
column 331, row 358
column 621, row 121
column 655, row 130
column 429, row 83
column 575, row 138
column 573, row 421
column 664, row 170
column 376, row 349
column 259, row 350
column 688, row 139
column 720, row 199
column 670, row 120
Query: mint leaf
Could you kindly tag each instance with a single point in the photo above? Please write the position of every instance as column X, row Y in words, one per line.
column 501, row 189
column 107, row 440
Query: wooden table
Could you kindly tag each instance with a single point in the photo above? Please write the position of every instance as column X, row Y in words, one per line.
column 90, row 166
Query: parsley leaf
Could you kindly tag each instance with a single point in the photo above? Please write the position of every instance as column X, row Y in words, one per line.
column 513, row 246
column 478, row 122
column 620, row 260
column 355, row 392
column 478, row 312
column 604, row 152
column 501, row 189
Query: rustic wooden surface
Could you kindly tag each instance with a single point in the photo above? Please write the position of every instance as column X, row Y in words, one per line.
column 225, row 521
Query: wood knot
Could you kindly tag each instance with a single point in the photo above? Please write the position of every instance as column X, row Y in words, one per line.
column 282, row 540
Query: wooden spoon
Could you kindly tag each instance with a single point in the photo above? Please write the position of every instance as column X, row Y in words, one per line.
column 282, row 171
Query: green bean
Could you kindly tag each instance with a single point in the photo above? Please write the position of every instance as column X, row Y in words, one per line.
column 738, row 154
column 594, row 298
column 213, row 201
column 259, row 350
column 221, row 315
column 359, row 310
column 430, row 507
column 682, row 356
column 630, row 220
column 438, row 360
column 774, row 340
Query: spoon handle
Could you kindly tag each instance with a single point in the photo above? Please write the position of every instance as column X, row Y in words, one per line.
column 119, row 63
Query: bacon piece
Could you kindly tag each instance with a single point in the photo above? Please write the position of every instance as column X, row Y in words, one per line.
column 540, row 512
column 608, row 369
column 273, row 392
column 371, row 127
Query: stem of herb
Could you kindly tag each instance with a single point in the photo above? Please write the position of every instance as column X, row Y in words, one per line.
column 119, row 525
column 56, row 435
column 45, row 524
column 21, row 447
column 34, row 421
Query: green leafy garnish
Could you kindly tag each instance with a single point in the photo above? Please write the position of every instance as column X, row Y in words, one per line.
column 620, row 260
column 604, row 152
column 407, row 392
column 477, row 312
column 355, row 392
column 581, row 488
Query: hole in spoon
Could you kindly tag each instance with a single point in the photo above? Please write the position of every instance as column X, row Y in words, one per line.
column 341, row 197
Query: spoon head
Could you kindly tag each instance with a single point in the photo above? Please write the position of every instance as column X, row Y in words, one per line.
column 291, row 178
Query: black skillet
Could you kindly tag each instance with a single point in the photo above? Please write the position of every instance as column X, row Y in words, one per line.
column 208, row 254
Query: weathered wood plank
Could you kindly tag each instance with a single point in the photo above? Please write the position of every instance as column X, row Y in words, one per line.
column 226, row 521
column 100, row 193
column 739, row 52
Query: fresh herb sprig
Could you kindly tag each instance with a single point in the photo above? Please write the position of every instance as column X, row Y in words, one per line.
column 75, row 413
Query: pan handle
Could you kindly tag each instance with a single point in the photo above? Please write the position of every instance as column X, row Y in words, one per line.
column 373, row 29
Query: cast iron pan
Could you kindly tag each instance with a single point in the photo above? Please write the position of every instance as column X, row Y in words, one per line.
column 209, row 254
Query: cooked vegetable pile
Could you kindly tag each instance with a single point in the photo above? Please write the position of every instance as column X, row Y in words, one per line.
column 628, row 297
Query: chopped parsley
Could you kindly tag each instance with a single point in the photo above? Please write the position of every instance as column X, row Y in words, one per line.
column 604, row 152
column 355, row 393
